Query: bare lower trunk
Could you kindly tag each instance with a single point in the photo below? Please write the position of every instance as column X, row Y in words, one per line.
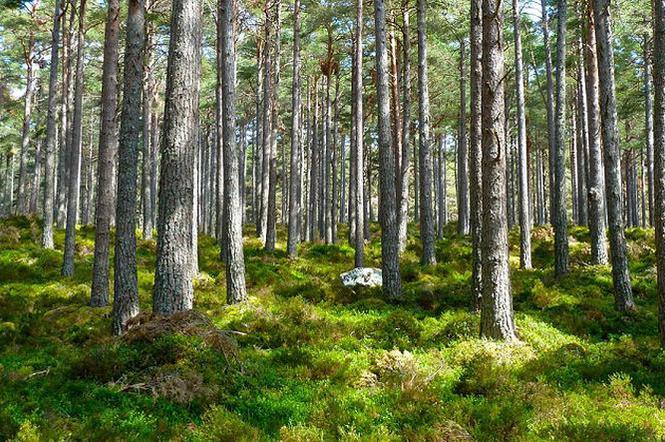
column 582, row 141
column 462, row 152
column 623, row 293
column 426, row 216
column 235, row 262
column 51, row 133
column 173, row 276
column 559, row 214
column 358, row 152
column 549, row 104
column 649, row 127
column 496, row 319
column 596, row 192
column 125, row 281
column 75, row 159
column 524, row 215
column 271, row 232
column 30, row 81
column 406, row 127
column 388, row 209
column 475, row 150
column 36, row 177
column 659, row 158
column 148, row 147
column 294, row 201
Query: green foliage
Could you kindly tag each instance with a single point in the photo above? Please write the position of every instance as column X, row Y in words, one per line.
column 310, row 360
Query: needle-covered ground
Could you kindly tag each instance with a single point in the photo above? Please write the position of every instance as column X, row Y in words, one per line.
column 308, row 360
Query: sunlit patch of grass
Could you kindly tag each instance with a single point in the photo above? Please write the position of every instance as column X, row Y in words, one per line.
column 317, row 361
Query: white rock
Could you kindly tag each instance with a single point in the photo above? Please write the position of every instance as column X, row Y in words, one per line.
column 362, row 276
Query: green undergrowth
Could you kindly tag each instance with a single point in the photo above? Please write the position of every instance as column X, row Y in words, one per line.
column 307, row 360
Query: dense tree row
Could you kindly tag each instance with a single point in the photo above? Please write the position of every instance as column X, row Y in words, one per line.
column 310, row 115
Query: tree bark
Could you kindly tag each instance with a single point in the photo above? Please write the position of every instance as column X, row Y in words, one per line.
column 173, row 290
column 387, row 209
column 267, row 129
column 524, row 214
column 462, row 151
column 596, row 192
column 358, row 151
column 51, row 132
column 559, row 214
column 549, row 104
column 426, row 216
column 74, row 179
column 30, row 84
column 125, row 280
column 235, row 262
column 294, row 201
column 108, row 144
column 496, row 320
column 271, row 232
column 36, row 177
column 475, row 150
column 623, row 293
column 649, row 125
column 659, row 157
column 404, row 165
column 582, row 140
column 148, row 147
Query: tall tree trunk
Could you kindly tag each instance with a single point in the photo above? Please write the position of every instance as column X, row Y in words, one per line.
column 294, row 201
column 648, row 125
column 582, row 140
column 154, row 178
column 525, row 217
column 387, row 209
column 219, row 140
column 235, row 262
column 256, row 167
column 108, row 144
column 125, row 281
column 147, row 125
column 173, row 290
column 66, row 116
column 441, row 177
column 496, row 320
column 475, row 150
column 623, row 293
column 596, row 192
column 51, row 132
column 314, row 170
column 36, row 177
column 30, row 84
column 87, row 183
column 559, row 214
column 397, row 125
column 659, row 157
column 271, row 232
column 267, row 131
column 75, row 147
column 406, row 127
column 462, row 151
column 549, row 104
column 358, row 151
column 335, row 161
column 426, row 216
column 327, row 145
column 573, row 165
column 9, row 186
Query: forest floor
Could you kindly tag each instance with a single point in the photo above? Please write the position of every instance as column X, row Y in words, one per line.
column 307, row 359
